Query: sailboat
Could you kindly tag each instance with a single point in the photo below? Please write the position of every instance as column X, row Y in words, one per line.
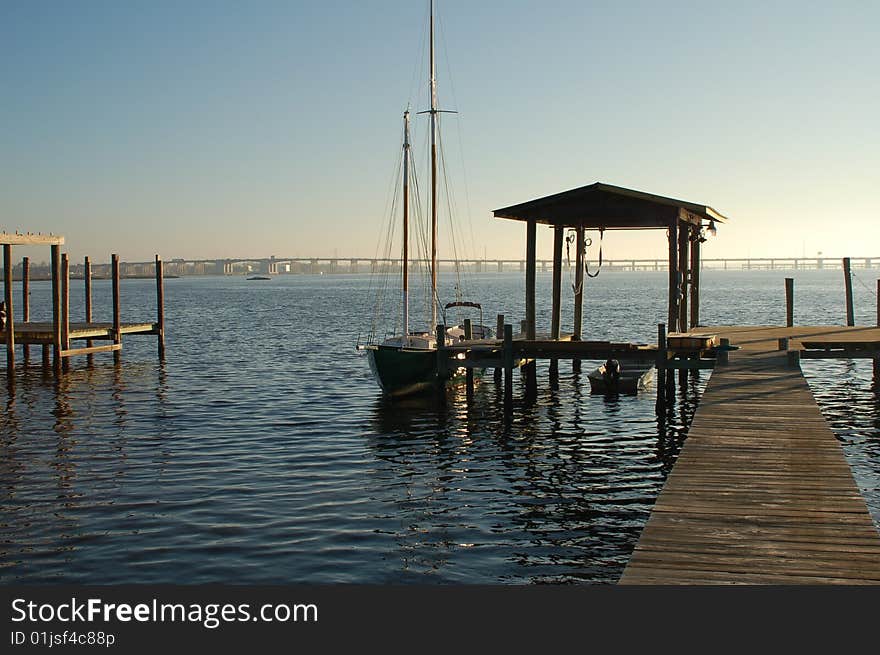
column 407, row 363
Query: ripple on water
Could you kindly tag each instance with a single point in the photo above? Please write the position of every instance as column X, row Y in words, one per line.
column 264, row 454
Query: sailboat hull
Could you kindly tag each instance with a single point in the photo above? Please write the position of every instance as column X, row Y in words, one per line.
column 403, row 371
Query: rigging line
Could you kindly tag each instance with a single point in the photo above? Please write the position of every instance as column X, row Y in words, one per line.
column 376, row 277
column 454, row 226
column 442, row 32
column 415, row 81
column 870, row 290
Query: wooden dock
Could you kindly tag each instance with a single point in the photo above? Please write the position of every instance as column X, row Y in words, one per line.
column 61, row 332
column 762, row 493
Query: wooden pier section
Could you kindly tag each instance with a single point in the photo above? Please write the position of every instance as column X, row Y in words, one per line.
column 61, row 331
column 762, row 493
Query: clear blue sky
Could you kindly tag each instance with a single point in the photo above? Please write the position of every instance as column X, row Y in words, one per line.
column 203, row 129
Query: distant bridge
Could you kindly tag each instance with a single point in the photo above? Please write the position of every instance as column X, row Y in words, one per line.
column 350, row 265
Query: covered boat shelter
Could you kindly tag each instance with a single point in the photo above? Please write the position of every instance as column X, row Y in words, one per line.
column 602, row 206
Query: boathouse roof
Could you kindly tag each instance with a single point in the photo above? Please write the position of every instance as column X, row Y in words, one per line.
column 602, row 205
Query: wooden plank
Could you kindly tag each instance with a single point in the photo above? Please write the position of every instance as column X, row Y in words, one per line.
column 761, row 492
column 91, row 350
column 31, row 239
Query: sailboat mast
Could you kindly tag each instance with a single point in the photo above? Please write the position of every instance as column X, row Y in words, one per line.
column 433, row 113
column 406, row 222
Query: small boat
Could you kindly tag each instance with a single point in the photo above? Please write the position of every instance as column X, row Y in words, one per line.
column 612, row 377
column 259, row 277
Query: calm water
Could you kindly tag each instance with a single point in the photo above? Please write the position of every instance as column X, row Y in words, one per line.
column 261, row 452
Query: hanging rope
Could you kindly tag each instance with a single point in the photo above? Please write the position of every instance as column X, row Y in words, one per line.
column 586, row 263
column 570, row 239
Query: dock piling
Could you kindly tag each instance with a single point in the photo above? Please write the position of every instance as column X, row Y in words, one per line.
column 695, row 276
column 499, row 334
column 10, row 315
column 577, row 331
column 683, row 260
column 65, row 309
column 25, row 302
column 789, row 302
column 507, row 353
column 87, row 283
column 469, row 372
column 117, row 334
column 56, row 308
column 847, row 280
column 660, row 406
column 442, row 363
column 160, row 306
column 722, row 356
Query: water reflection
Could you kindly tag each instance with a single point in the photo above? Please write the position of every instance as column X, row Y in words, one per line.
column 54, row 478
column 560, row 497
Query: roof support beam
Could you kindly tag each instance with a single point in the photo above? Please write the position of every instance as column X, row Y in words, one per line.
column 672, row 317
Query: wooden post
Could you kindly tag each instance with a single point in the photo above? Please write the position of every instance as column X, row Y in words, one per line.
column 26, row 301
column 117, row 327
column 160, row 305
column 531, row 270
column 660, row 405
column 695, row 277
column 65, row 309
column 577, row 331
column 56, row 308
column 508, row 369
column 672, row 318
column 499, row 334
column 847, row 279
column 877, row 361
column 683, row 262
column 722, row 357
column 87, row 282
column 789, row 301
column 531, row 244
column 469, row 372
column 10, row 315
column 556, row 310
column 442, row 363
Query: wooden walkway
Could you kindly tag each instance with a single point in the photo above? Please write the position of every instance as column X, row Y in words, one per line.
column 761, row 493
column 38, row 333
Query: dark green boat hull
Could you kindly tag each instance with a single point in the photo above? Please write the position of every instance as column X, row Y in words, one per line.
column 401, row 371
